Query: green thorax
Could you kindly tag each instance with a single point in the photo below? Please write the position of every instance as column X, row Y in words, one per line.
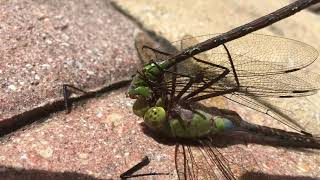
column 152, row 72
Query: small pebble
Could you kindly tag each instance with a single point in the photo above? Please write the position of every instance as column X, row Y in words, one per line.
column 12, row 87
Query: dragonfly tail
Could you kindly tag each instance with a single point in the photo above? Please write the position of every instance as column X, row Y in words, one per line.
column 281, row 137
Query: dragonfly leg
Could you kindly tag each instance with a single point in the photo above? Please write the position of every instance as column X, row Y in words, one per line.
column 156, row 50
column 184, row 121
column 66, row 89
column 211, row 82
column 173, row 88
column 174, row 99
column 205, row 86
column 174, row 74
column 185, row 88
column 219, row 93
column 232, row 66
column 196, row 79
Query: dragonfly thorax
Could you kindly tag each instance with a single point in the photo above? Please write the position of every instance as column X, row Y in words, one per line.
column 146, row 82
column 152, row 72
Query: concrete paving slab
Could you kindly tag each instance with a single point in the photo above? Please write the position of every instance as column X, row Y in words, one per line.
column 44, row 44
column 102, row 138
column 174, row 19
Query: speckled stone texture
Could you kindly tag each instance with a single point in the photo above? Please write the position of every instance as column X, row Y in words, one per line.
column 44, row 44
column 102, row 139
column 90, row 44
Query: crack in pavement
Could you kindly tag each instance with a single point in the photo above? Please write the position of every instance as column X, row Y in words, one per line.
column 14, row 123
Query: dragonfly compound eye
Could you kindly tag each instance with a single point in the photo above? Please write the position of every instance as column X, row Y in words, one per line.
column 152, row 71
column 155, row 118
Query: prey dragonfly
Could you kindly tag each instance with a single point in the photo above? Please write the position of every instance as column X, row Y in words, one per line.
column 253, row 70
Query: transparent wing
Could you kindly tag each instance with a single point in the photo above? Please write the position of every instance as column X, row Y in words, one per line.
column 143, row 40
column 150, row 50
column 299, row 113
column 265, row 66
column 252, row 54
column 209, row 159
column 257, row 54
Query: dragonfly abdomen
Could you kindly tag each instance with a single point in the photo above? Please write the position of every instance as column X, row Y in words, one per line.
column 281, row 137
column 199, row 124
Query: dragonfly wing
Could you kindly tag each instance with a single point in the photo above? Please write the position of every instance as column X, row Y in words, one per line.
column 190, row 66
column 150, row 50
column 294, row 84
column 299, row 113
column 210, row 160
column 282, row 84
column 271, row 54
column 258, row 54
column 145, row 54
column 265, row 65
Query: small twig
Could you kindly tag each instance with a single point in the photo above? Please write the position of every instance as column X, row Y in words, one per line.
column 129, row 173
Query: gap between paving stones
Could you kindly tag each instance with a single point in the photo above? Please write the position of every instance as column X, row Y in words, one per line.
column 9, row 125
column 14, row 123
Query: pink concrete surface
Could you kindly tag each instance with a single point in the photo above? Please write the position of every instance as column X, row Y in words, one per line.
column 44, row 44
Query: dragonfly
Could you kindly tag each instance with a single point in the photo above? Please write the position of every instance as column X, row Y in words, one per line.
column 244, row 71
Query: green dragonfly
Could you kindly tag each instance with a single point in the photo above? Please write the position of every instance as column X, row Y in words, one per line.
column 244, row 71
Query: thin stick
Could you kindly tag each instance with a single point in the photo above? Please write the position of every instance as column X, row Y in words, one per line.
column 144, row 162
column 243, row 30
